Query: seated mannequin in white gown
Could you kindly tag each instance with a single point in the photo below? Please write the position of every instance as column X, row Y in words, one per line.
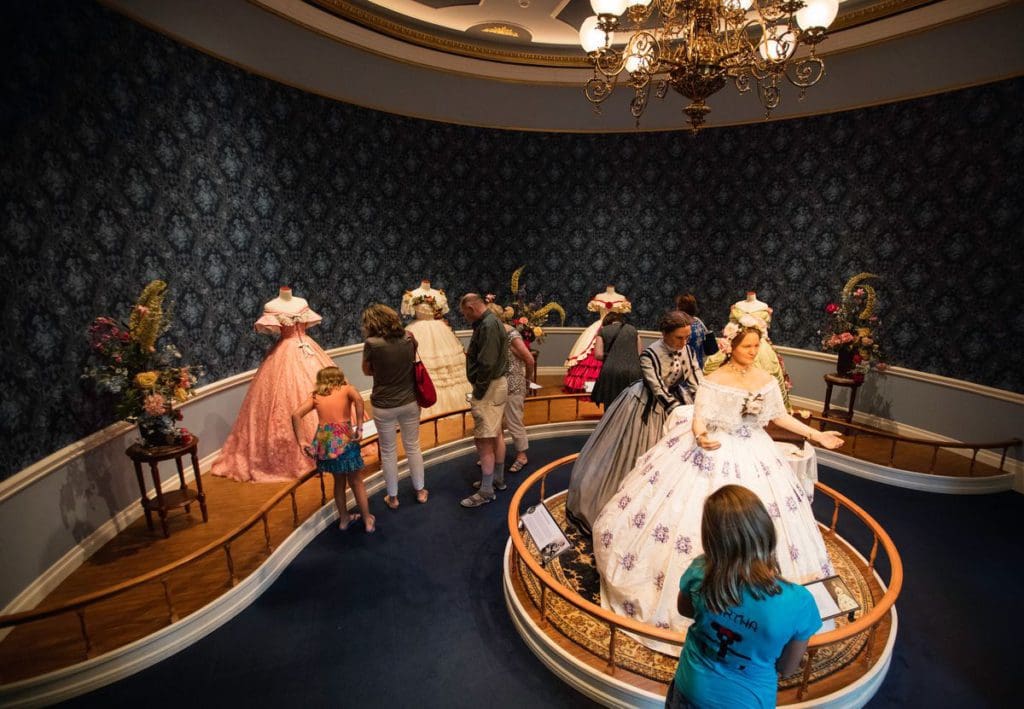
column 648, row 532
column 439, row 349
column 581, row 365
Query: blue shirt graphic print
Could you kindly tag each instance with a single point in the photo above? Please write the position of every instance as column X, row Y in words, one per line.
column 728, row 659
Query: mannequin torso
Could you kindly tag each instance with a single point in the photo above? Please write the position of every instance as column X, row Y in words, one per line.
column 286, row 315
column 424, row 302
column 608, row 301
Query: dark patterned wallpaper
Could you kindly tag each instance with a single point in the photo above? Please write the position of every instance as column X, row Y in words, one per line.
column 127, row 157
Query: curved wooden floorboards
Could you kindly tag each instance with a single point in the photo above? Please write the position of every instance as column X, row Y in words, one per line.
column 50, row 644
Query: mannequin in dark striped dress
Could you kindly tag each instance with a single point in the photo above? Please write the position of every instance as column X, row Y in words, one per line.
column 633, row 422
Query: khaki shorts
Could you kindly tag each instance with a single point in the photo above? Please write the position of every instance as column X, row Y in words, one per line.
column 488, row 411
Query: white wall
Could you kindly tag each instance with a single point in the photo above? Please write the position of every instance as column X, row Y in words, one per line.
column 57, row 512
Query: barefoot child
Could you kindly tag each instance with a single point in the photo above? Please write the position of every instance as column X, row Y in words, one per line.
column 336, row 444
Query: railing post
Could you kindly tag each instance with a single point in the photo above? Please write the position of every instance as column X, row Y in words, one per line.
column 543, row 604
column 974, row 458
column 549, row 411
column 892, row 452
column 295, row 510
column 266, row 532
column 835, row 516
column 323, row 488
column 867, row 646
column 172, row 616
column 1002, row 461
column 231, row 566
column 874, row 553
column 437, row 436
column 611, row 649
column 806, row 673
column 85, row 632
column 935, row 455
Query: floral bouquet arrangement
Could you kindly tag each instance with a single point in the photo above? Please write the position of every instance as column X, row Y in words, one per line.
column 145, row 381
column 529, row 316
column 852, row 329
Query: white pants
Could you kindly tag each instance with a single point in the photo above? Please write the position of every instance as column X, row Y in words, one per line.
column 388, row 421
column 514, row 422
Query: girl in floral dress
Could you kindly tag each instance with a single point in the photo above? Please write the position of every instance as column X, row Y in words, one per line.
column 335, row 447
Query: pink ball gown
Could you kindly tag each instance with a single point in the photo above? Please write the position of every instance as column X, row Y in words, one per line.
column 261, row 446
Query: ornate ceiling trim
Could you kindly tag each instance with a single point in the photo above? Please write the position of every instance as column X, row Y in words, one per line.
column 379, row 23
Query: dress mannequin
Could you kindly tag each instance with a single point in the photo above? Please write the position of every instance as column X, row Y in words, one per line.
column 581, row 364
column 439, row 349
column 767, row 358
column 261, row 446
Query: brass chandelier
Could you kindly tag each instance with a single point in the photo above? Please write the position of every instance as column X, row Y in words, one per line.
column 697, row 46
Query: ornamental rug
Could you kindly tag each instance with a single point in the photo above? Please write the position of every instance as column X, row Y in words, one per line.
column 576, row 570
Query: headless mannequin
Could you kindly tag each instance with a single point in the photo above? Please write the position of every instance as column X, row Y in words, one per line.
column 751, row 304
column 440, row 304
column 286, row 303
column 599, row 303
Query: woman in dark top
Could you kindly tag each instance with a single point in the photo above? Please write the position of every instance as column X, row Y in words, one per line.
column 388, row 356
column 618, row 346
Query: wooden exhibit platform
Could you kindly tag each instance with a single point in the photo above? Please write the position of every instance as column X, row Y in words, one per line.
column 45, row 645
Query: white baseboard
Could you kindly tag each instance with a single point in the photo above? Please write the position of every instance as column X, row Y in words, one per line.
column 91, row 674
column 110, row 667
column 988, row 457
column 44, row 585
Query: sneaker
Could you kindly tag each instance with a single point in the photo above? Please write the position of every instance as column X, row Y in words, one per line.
column 476, row 500
column 497, row 485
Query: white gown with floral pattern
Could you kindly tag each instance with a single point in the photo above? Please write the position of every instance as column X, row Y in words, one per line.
column 649, row 531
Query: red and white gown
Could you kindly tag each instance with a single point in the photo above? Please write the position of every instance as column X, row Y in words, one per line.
column 261, row 446
column 581, row 365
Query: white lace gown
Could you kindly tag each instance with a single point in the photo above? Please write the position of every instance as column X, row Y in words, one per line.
column 440, row 351
column 649, row 531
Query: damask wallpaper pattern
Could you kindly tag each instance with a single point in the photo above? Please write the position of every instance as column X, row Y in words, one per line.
column 128, row 157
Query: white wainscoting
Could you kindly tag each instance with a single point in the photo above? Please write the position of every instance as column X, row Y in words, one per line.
column 58, row 511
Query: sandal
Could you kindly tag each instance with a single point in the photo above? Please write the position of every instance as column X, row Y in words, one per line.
column 352, row 519
column 518, row 465
column 391, row 502
column 422, row 495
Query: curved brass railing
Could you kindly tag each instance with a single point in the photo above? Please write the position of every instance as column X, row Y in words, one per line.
column 935, row 445
column 867, row 624
column 80, row 604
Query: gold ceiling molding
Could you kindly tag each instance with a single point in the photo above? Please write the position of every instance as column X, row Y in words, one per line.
column 360, row 15
column 875, row 11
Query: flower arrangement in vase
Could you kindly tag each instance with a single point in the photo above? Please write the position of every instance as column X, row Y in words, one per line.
column 852, row 329
column 143, row 381
column 529, row 316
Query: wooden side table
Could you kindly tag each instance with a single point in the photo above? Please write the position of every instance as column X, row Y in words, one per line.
column 529, row 390
column 164, row 501
column 834, row 380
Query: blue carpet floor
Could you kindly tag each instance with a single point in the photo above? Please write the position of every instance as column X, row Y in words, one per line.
column 414, row 616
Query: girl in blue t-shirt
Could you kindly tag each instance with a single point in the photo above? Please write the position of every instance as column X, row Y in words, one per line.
column 748, row 622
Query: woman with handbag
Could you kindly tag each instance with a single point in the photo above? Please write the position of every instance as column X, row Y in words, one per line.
column 389, row 356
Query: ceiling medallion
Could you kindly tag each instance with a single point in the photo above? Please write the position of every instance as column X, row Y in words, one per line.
column 697, row 46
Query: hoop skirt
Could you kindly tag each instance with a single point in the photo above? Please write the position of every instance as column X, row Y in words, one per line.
column 445, row 359
column 261, row 446
column 581, row 364
column 648, row 533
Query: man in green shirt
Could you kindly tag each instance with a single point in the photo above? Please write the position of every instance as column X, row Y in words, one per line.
column 486, row 366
